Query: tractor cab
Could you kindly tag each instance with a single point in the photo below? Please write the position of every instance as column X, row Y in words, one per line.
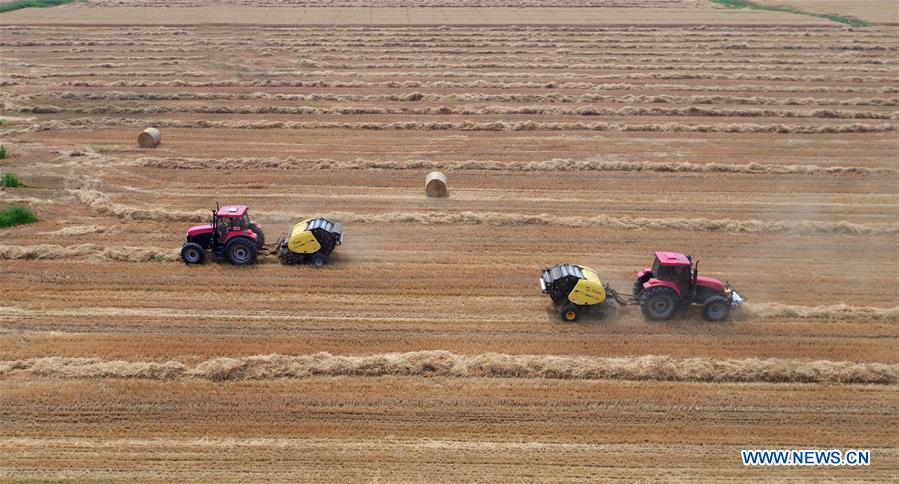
column 676, row 268
column 231, row 234
column 230, row 221
column 680, row 273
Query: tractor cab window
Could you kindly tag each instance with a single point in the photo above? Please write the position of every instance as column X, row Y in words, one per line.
column 222, row 226
column 682, row 277
column 670, row 273
column 238, row 224
column 661, row 272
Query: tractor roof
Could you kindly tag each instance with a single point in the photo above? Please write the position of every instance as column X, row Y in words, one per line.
column 668, row 259
column 232, row 211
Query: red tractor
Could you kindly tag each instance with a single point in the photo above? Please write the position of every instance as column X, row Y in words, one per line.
column 673, row 283
column 231, row 235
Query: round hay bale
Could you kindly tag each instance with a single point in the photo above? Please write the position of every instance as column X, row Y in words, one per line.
column 435, row 184
column 149, row 138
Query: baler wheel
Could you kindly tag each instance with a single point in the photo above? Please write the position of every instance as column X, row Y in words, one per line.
column 570, row 313
column 318, row 259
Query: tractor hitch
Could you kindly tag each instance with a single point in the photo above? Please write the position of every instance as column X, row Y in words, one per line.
column 620, row 299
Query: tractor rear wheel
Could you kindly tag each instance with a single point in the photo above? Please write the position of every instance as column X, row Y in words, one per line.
column 659, row 303
column 260, row 236
column 193, row 253
column 570, row 313
column 318, row 259
column 716, row 308
column 241, row 251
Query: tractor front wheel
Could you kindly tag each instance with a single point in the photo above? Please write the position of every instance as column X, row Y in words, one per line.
column 241, row 251
column 570, row 313
column 193, row 253
column 716, row 308
column 659, row 303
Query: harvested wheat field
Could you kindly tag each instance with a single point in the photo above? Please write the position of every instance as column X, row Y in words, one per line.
column 762, row 142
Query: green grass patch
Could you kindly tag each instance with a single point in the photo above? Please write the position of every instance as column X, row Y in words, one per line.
column 10, row 180
column 9, row 7
column 2, row 152
column 737, row 4
column 843, row 19
column 16, row 215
